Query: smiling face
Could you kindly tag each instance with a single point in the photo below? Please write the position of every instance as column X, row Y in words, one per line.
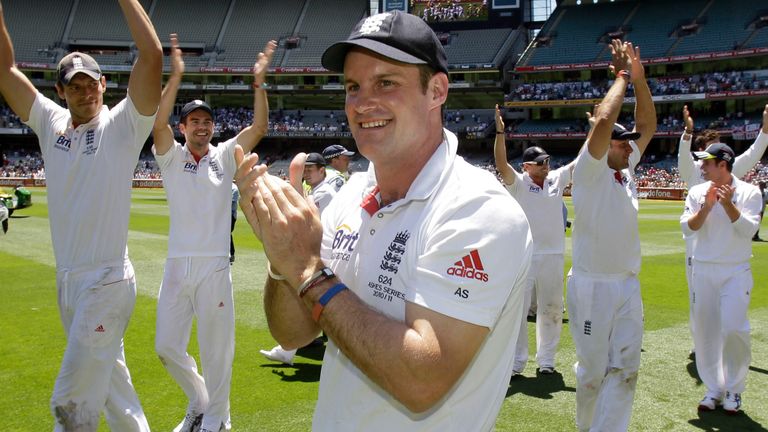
column 84, row 96
column 197, row 128
column 391, row 114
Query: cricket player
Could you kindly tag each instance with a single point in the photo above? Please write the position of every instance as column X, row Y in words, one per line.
column 197, row 178
column 721, row 215
column 691, row 174
column 540, row 193
column 604, row 303
column 416, row 270
column 90, row 153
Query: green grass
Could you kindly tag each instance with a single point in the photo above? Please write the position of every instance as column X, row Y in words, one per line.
column 270, row 397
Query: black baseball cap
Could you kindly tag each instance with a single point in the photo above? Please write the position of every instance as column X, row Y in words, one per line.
column 621, row 133
column 336, row 150
column 716, row 151
column 396, row 35
column 315, row 159
column 75, row 63
column 196, row 104
column 534, row 154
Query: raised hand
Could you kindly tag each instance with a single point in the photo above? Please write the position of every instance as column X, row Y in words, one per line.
column 262, row 64
column 619, row 56
column 499, row 120
column 687, row 119
column 177, row 61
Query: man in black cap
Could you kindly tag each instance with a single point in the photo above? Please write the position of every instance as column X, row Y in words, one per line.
column 723, row 214
column 337, row 170
column 416, row 272
column 603, row 291
column 197, row 178
column 540, row 193
column 90, row 153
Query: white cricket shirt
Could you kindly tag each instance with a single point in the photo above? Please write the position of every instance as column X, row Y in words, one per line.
column 690, row 170
column 719, row 240
column 543, row 208
column 605, row 234
column 458, row 244
column 199, row 198
column 89, row 174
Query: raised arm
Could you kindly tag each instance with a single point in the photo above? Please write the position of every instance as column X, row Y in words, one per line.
column 162, row 131
column 250, row 136
column 747, row 160
column 645, row 110
column 146, row 77
column 500, row 151
column 17, row 90
column 599, row 137
column 685, row 163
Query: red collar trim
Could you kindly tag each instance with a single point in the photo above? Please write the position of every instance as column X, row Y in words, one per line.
column 371, row 203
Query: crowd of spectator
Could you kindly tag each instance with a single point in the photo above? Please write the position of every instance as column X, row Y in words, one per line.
column 697, row 83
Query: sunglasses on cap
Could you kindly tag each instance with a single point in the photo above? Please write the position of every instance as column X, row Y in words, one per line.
column 539, row 163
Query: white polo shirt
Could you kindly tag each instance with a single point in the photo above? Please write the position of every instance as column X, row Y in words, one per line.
column 457, row 244
column 199, row 198
column 89, row 172
column 719, row 240
column 543, row 208
column 605, row 233
column 690, row 170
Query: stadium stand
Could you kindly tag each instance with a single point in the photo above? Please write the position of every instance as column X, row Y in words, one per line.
column 22, row 15
column 475, row 46
column 249, row 28
column 322, row 23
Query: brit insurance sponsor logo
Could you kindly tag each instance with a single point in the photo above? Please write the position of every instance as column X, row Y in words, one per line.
column 190, row 167
column 344, row 242
column 470, row 266
column 63, row 142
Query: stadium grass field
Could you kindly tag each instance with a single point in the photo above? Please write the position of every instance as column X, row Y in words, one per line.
column 270, row 397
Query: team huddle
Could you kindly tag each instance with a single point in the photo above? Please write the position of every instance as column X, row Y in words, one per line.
column 420, row 271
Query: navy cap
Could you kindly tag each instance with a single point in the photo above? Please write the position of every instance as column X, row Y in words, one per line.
column 396, row 35
column 716, row 151
column 195, row 105
column 315, row 159
column 75, row 63
column 336, row 150
column 534, row 154
column 621, row 133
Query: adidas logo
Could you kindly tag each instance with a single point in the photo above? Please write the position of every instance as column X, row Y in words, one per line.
column 470, row 267
column 99, row 329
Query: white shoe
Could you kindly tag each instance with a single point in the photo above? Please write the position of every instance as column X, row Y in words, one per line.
column 732, row 403
column 546, row 370
column 221, row 428
column 709, row 403
column 191, row 423
column 278, row 354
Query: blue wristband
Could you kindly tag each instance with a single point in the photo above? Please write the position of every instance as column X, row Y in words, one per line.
column 325, row 298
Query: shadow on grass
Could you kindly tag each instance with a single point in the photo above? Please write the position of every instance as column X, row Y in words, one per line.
column 304, row 371
column 720, row 421
column 541, row 386
column 692, row 371
column 757, row 369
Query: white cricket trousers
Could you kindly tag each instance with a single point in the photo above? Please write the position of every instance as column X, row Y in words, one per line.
column 201, row 287
column 721, row 299
column 606, row 322
column 95, row 304
column 545, row 280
